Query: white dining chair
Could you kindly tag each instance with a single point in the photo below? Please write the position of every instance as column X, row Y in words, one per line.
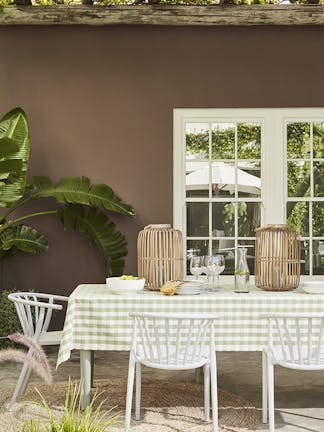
column 295, row 341
column 35, row 312
column 173, row 342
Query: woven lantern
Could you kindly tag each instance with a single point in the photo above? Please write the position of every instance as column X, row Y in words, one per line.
column 159, row 254
column 277, row 258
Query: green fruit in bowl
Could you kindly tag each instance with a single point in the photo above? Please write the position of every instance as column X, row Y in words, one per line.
column 129, row 277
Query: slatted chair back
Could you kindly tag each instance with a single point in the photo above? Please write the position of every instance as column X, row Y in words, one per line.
column 35, row 311
column 296, row 340
column 173, row 340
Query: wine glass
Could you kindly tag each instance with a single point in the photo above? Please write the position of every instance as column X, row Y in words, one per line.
column 209, row 270
column 215, row 265
column 219, row 262
column 196, row 265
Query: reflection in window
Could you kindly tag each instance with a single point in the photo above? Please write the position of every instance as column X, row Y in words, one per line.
column 197, row 219
column 223, row 169
column 249, row 141
column 298, row 179
column 305, row 190
column 298, row 140
column 197, row 141
column 318, row 257
column 223, row 141
column 298, row 217
column 318, row 137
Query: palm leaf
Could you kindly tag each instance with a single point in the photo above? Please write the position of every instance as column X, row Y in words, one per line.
column 75, row 190
column 13, row 126
column 23, row 238
column 10, row 166
column 7, row 147
column 100, row 230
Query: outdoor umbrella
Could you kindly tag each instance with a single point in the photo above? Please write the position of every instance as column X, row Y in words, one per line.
column 223, row 178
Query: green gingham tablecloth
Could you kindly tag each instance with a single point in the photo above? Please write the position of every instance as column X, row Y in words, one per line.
column 98, row 320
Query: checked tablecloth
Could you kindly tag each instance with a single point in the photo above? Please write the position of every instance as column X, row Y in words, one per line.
column 97, row 320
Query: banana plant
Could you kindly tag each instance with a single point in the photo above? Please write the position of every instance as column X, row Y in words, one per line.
column 81, row 205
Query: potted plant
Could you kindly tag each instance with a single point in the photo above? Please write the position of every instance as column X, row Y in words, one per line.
column 80, row 205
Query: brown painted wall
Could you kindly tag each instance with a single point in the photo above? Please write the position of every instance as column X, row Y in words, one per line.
column 100, row 103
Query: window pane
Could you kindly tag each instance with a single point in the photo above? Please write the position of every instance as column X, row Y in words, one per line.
column 223, row 141
column 228, row 255
column 298, row 179
column 197, row 219
column 249, row 179
column 249, row 141
column 298, row 140
column 298, row 217
column 318, row 257
column 250, row 253
column 318, row 219
column 248, row 218
column 304, row 256
column 225, row 243
column 223, row 179
column 223, row 215
column 197, row 179
column 197, row 141
column 196, row 247
column 318, row 139
column 318, row 172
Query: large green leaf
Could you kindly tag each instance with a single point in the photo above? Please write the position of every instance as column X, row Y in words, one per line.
column 75, row 190
column 23, row 238
column 14, row 126
column 10, row 166
column 100, row 230
column 7, row 147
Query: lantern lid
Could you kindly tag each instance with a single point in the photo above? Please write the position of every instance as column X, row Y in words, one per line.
column 157, row 226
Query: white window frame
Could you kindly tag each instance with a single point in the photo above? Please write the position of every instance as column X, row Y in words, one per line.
column 273, row 156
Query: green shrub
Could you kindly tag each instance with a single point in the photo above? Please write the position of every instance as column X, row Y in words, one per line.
column 9, row 321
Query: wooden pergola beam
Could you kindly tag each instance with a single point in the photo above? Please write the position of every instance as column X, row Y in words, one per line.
column 218, row 15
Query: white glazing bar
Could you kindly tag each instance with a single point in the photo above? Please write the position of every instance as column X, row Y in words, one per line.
column 210, row 209
column 312, row 197
column 236, row 191
column 223, row 199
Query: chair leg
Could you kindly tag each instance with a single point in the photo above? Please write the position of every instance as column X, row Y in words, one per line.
column 138, row 391
column 18, row 385
column 270, row 370
column 207, row 391
column 27, row 376
column 26, row 380
column 213, row 375
column 130, row 386
column 264, row 388
column 22, row 381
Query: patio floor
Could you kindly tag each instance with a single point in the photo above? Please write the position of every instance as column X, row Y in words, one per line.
column 299, row 395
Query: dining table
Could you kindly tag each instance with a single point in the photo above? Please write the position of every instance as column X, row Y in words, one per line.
column 97, row 319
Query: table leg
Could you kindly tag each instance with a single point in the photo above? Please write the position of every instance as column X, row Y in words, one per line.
column 92, row 368
column 199, row 373
column 85, row 373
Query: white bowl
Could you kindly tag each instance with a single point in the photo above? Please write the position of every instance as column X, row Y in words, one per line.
column 313, row 287
column 122, row 286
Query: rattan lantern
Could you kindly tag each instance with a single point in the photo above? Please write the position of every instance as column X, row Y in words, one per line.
column 277, row 258
column 159, row 254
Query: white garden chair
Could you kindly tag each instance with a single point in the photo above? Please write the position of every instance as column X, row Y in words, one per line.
column 173, row 342
column 35, row 312
column 295, row 341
